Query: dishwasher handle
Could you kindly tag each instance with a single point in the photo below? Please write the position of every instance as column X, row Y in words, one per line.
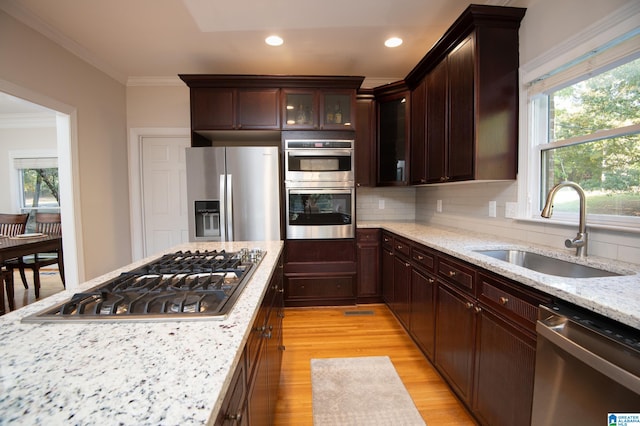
column 585, row 355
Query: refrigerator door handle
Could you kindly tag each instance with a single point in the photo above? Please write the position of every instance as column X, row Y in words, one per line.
column 223, row 209
column 229, row 208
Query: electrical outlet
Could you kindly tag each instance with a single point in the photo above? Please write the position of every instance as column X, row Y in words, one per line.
column 381, row 204
column 510, row 209
column 439, row 206
column 492, row 209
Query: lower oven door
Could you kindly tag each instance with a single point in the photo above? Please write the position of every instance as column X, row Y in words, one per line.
column 320, row 213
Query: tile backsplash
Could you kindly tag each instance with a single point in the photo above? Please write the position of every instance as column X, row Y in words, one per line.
column 466, row 206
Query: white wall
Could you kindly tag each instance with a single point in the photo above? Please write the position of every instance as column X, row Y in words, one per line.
column 35, row 64
column 20, row 139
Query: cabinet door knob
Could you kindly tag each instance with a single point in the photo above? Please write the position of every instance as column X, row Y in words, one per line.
column 503, row 300
column 452, row 273
column 468, row 305
column 478, row 309
column 431, row 280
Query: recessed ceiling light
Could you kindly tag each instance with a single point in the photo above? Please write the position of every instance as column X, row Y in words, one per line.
column 393, row 42
column 274, row 40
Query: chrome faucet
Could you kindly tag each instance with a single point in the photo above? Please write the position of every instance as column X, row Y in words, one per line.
column 580, row 241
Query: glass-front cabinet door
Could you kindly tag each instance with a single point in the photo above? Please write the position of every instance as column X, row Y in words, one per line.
column 337, row 110
column 318, row 109
column 393, row 139
column 300, row 109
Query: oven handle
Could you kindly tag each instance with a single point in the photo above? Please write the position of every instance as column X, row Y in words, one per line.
column 324, row 190
column 550, row 329
column 318, row 152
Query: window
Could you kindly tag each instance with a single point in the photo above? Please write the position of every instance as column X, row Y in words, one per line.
column 38, row 182
column 586, row 129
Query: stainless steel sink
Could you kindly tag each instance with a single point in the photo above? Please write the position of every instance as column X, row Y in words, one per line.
column 547, row 265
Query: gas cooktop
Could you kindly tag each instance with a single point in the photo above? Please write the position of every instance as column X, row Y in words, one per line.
column 184, row 285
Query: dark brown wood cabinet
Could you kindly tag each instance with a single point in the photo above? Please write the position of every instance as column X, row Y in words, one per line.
column 387, row 269
column 234, row 408
column 393, row 134
column 319, row 109
column 368, row 257
column 235, row 109
column 320, row 272
column 471, row 96
column 365, row 143
column 251, row 397
column 455, row 339
column 269, row 103
column 478, row 328
column 423, row 299
column 436, row 126
column 418, row 135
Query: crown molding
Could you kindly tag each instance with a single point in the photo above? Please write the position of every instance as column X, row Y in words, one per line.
column 154, row 81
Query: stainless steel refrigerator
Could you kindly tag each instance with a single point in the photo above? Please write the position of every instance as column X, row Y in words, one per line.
column 233, row 193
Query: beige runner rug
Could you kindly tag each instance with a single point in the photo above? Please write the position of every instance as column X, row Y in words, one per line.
column 360, row 391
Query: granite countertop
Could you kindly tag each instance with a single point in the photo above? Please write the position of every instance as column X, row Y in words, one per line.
column 126, row 373
column 614, row 297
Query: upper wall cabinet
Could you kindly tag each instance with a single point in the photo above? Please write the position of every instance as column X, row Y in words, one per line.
column 393, row 146
column 469, row 85
column 235, row 109
column 269, row 102
column 319, row 109
column 365, row 145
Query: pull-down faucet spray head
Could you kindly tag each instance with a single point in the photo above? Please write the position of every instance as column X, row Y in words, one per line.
column 580, row 241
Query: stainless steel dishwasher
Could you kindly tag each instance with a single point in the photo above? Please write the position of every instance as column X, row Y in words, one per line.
column 587, row 368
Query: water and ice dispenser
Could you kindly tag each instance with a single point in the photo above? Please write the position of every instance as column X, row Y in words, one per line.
column 207, row 216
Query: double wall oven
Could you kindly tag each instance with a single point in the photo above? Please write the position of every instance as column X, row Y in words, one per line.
column 319, row 186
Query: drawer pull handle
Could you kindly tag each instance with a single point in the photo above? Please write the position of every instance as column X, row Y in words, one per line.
column 420, row 257
column 236, row 417
column 399, row 247
column 452, row 273
column 503, row 300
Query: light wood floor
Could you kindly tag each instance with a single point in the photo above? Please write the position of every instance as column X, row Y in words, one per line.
column 50, row 283
column 328, row 333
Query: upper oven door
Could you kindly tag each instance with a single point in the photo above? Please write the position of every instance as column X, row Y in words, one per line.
column 319, row 161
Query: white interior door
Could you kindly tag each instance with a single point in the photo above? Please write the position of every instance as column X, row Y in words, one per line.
column 164, row 192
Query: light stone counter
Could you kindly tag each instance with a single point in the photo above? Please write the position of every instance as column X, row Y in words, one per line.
column 615, row 297
column 125, row 373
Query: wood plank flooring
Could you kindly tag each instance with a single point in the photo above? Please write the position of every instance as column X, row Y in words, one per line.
column 328, row 333
column 50, row 283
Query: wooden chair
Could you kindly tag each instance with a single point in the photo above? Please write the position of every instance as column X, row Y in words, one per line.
column 6, row 276
column 10, row 226
column 46, row 223
column 13, row 224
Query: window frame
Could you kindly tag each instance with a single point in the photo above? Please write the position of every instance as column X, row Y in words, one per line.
column 614, row 42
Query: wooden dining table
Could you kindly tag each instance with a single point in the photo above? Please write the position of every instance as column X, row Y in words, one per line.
column 18, row 246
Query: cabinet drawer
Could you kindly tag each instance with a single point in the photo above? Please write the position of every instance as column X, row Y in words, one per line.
column 387, row 241
column 507, row 299
column 423, row 258
column 325, row 287
column 456, row 273
column 368, row 236
column 401, row 247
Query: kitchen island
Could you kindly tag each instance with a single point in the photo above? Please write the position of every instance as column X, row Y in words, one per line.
column 126, row 373
column 615, row 297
